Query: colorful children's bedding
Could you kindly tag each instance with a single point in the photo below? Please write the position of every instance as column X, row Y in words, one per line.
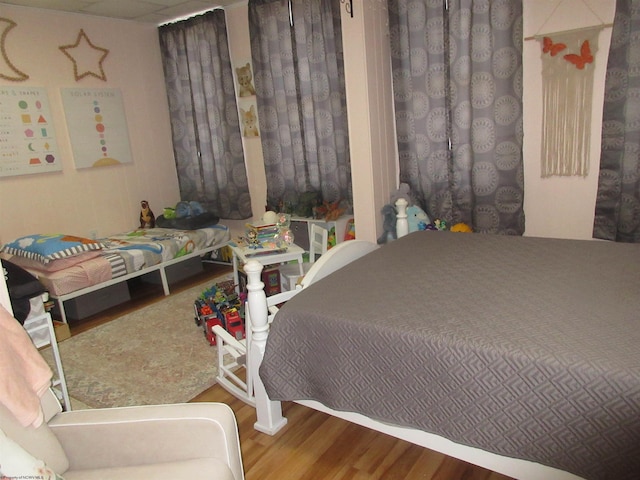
column 94, row 262
column 144, row 248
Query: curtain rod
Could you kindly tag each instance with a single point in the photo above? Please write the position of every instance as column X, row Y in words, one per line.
column 540, row 35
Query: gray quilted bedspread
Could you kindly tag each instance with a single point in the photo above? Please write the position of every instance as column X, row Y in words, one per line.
column 526, row 347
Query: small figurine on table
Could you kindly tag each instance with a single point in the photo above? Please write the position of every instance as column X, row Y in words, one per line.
column 252, row 239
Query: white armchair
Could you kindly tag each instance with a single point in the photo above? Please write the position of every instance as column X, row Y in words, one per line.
column 194, row 441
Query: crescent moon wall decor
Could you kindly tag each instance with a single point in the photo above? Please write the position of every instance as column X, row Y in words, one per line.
column 86, row 57
column 15, row 75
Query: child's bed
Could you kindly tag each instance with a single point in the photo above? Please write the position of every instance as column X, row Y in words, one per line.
column 518, row 354
column 68, row 272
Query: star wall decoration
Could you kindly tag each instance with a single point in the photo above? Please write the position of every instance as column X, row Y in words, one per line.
column 86, row 57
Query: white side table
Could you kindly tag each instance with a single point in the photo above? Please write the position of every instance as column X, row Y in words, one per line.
column 244, row 254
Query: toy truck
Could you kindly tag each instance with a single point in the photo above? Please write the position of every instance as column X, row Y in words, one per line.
column 220, row 305
column 208, row 329
column 235, row 325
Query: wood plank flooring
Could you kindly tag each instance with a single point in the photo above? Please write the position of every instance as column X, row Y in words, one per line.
column 313, row 445
column 316, row 446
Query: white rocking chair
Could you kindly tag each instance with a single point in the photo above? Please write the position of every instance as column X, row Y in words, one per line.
column 236, row 352
column 233, row 353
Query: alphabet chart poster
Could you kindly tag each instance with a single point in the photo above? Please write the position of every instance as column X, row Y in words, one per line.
column 27, row 136
column 97, row 126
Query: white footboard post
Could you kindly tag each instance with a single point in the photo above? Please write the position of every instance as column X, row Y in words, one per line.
column 269, row 413
column 402, row 224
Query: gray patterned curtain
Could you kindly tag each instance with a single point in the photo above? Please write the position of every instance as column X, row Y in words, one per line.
column 457, row 78
column 299, row 80
column 204, row 117
column 617, row 215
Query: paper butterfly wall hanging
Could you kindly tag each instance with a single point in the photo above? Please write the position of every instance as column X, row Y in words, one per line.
column 552, row 48
column 584, row 58
column 567, row 93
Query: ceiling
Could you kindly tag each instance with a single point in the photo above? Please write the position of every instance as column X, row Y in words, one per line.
column 149, row 11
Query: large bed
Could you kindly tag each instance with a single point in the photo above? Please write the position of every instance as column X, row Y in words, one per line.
column 518, row 354
column 119, row 258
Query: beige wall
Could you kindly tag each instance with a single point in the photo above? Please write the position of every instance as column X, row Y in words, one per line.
column 106, row 200
column 90, row 201
column 370, row 105
column 240, row 51
column 560, row 206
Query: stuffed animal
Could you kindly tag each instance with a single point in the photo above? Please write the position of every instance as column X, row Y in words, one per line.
column 196, row 208
column 461, row 227
column 186, row 209
column 169, row 213
column 330, row 211
column 417, row 218
column 147, row 218
column 440, row 224
column 403, row 191
column 388, row 224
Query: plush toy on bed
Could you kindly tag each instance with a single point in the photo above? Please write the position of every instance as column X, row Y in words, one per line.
column 416, row 217
column 461, row 227
column 147, row 218
column 403, row 191
column 388, row 224
column 187, row 215
column 188, row 209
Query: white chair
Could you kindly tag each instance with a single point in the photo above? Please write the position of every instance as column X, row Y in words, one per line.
column 233, row 353
column 290, row 273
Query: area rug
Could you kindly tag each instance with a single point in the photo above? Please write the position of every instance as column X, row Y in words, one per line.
column 154, row 355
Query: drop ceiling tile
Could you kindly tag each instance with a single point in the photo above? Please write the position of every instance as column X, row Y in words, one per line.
column 64, row 5
column 120, row 8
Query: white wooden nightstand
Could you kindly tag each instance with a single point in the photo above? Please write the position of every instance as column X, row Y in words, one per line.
column 242, row 255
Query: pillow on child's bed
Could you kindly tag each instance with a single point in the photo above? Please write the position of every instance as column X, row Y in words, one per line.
column 45, row 248
column 53, row 265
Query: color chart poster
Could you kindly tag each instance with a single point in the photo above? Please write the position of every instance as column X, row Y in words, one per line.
column 97, row 126
column 27, row 137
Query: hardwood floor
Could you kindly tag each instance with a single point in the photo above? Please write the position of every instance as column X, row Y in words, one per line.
column 313, row 445
column 316, row 446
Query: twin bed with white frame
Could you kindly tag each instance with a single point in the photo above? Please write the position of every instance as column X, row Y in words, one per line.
column 517, row 354
column 125, row 256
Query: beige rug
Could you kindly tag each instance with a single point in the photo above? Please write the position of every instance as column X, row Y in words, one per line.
column 154, row 355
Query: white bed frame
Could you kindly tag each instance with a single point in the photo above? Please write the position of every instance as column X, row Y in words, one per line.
column 269, row 413
column 160, row 267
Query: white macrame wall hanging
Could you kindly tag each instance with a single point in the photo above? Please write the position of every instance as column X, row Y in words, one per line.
column 568, row 60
